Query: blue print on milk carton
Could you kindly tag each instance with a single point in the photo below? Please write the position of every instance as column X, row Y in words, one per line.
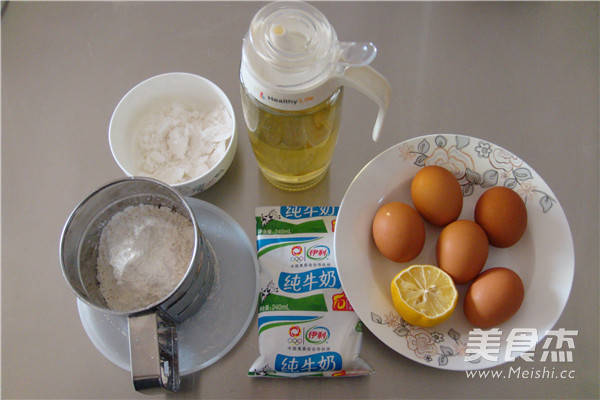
column 303, row 282
column 300, row 212
column 326, row 361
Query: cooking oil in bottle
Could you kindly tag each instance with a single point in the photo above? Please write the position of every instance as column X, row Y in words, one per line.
column 293, row 148
column 292, row 73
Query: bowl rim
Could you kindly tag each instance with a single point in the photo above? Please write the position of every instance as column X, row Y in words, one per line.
column 224, row 99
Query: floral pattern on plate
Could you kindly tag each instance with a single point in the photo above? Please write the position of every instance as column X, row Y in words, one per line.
column 427, row 344
column 504, row 167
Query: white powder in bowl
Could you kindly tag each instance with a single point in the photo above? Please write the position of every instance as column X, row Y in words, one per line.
column 178, row 142
column 143, row 254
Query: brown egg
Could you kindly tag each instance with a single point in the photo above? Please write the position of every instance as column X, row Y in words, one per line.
column 493, row 297
column 437, row 195
column 503, row 216
column 462, row 250
column 398, row 231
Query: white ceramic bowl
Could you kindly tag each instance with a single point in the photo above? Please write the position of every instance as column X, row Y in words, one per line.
column 158, row 91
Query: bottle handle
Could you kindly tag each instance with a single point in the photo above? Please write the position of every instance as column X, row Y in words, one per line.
column 153, row 352
column 375, row 86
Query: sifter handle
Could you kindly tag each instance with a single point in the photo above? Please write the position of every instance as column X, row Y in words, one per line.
column 375, row 86
column 153, row 352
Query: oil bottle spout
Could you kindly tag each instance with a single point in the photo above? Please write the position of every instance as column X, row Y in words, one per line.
column 356, row 54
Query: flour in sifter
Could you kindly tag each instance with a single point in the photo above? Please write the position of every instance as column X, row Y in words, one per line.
column 143, row 254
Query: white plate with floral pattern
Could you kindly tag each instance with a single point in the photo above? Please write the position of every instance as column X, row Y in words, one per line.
column 543, row 258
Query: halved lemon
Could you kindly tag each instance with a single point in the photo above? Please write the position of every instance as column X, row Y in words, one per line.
column 424, row 295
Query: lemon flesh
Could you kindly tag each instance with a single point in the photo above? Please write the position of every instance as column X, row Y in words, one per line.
column 424, row 295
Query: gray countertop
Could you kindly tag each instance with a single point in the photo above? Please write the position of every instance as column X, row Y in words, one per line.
column 521, row 75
